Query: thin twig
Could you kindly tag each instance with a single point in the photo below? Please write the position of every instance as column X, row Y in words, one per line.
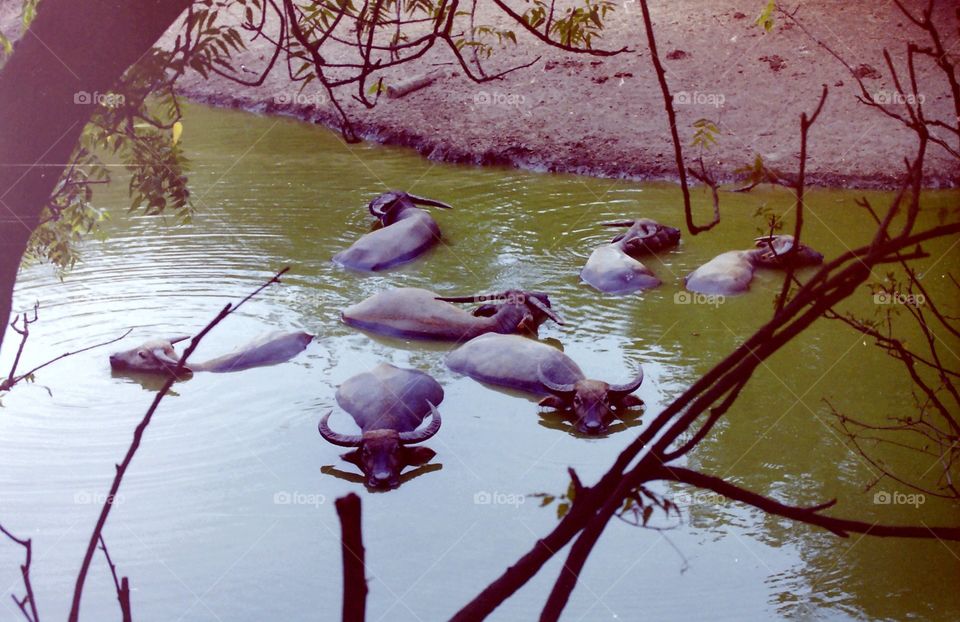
column 138, row 437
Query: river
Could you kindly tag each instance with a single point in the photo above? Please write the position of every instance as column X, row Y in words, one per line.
column 225, row 513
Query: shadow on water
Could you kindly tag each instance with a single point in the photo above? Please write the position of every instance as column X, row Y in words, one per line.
column 356, row 478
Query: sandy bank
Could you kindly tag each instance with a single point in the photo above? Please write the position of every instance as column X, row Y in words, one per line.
column 605, row 117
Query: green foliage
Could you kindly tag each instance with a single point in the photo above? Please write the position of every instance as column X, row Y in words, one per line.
column 576, row 26
column 70, row 213
column 765, row 18
column 5, row 45
column 481, row 38
column 28, row 11
column 565, row 500
column 757, row 172
column 772, row 221
column 639, row 506
column 125, row 128
column 705, row 133
column 145, row 138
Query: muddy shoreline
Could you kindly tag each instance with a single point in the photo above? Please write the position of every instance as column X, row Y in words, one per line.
column 604, row 116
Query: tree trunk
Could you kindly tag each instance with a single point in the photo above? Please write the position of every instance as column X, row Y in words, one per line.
column 73, row 50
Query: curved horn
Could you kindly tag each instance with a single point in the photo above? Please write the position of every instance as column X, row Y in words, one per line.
column 178, row 338
column 341, row 440
column 619, row 223
column 630, row 387
column 551, row 386
column 418, row 436
column 650, row 230
column 544, row 308
column 426, row 201
column 782, row 244
column 164, row 358
column 378, row 206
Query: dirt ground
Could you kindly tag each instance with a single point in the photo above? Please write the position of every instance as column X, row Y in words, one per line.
column 604, row 116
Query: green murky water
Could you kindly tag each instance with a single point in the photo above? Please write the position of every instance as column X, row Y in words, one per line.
column 201, row 526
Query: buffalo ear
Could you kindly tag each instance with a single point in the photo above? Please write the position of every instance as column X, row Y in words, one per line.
column 354, row 457
column 628, row 401
column 553, row 401
column 415, row 456
column 528, row 325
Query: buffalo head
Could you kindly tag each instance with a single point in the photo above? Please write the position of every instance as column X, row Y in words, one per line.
column 592, row 402
column 781, row 251
column 155, row 356
column 387, row 206
column 645, row 236
column 383, row 454
column 525, row 310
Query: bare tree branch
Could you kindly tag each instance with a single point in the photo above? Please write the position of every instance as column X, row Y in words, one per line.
column 95, row 536
column 354, row 567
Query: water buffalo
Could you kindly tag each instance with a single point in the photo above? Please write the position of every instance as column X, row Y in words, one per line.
column 158, row 355
column 407, row 231
column 613, row 269
column 420, row 314
column 730, row 273
column 526, row 365
column 388, row 404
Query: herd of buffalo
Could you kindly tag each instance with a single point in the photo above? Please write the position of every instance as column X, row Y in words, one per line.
column 389, row 404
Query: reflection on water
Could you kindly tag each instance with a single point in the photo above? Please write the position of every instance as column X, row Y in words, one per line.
column 209, row 526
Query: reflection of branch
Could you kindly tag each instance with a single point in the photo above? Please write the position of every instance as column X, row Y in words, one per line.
column 27, row 604
column 354, row 478
column 122, row 585
column 704, row 177
column 810, row 515
column 354, row 569
column 95, row 536
column 594, row 506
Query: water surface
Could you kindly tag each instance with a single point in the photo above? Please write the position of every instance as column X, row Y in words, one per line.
column 225, row 514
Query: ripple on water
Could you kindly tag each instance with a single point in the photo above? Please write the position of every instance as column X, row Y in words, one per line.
column 221, row 446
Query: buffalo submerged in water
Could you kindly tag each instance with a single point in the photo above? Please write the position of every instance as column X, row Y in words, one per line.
column 614, row 268
column 730, row 273
column 526, row 365
column 410, row 312
column 388, row 404
column 158, row 356
column 406, row 233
